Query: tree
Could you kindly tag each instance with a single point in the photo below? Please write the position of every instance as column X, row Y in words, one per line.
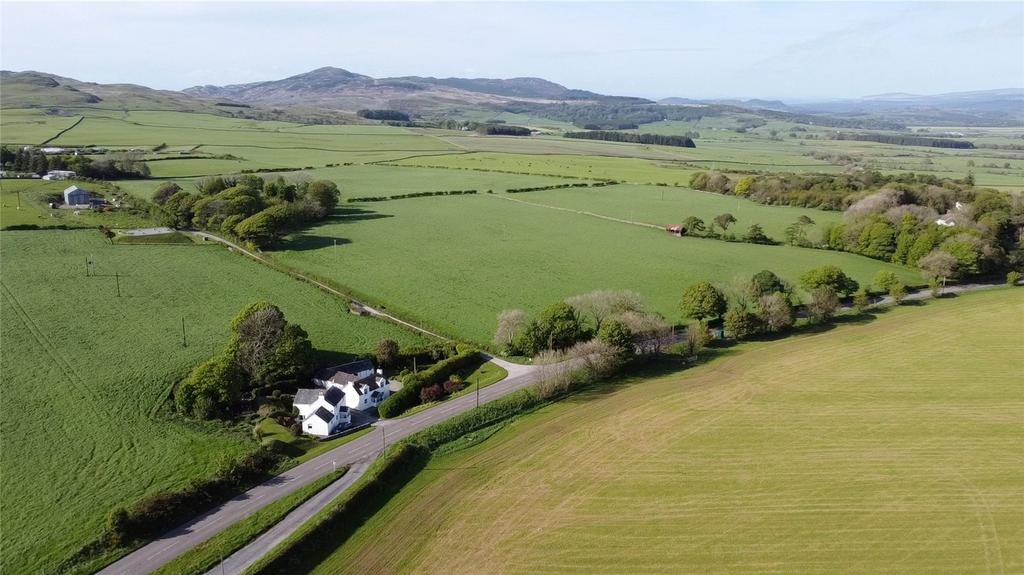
column 898, row 292
column 823, row 304
column 697, row 337
column 387, row 352
column 693, row 225
column 265, row 226
column 510, row 324
column 937, row 266
column 431, row 393
column 741, row 323
column 765, row 282
column 323, row 192
column 796, row 235
column 861, row 300
column 831, row 277
column 703, row 300
column 164, row 192
column 775, row 312
column 266, row 348
column 755, row 235
column 884, row 280
column 1012, row 277
column 724, row 221
column 209, row 388
column 616, row 334
column 562, row 326
column 602, row 304
column 743, row 186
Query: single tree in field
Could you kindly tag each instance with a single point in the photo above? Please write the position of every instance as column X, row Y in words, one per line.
column 937, row 265
column 796, row 233
column 702, row 301
column 510, row 324
column 323, row 192
column 823, row 304
column 755, row 235
column 387, row 352
column 693, row 225
column 724, row 221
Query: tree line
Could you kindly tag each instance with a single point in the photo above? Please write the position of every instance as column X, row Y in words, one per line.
column 502, row 130
column 653, row 139
column 252, row 209
column 125, row 165
column 905, row 140
column 388, row 115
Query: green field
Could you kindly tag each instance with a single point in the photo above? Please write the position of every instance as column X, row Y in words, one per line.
column 86, row 372
column 663, row 205
column 892, row 446
column 455, row 262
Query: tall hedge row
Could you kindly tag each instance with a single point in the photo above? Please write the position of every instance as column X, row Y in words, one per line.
column 409, row 396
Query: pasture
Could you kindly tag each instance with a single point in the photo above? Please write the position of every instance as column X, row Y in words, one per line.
column 86, row 373
column 663, row 205
column 889, row 446
column 454, row 262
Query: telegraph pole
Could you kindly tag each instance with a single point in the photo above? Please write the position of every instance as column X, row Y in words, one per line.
column 117, row 279
column 86, row 266
column 184, row 343
column 383, row 441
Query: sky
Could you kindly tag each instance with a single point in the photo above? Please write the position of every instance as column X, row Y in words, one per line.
column 793, row 51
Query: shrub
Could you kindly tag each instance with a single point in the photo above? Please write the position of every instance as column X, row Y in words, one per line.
column 823, row 304
column 898, row 292
column 431, row 393
column 409, row 395
column 831, row 277
column 1012, row 278
column 741, row 323
column 703, row 300
column 452, row 386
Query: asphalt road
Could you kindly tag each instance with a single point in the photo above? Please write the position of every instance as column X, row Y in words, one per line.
column 357, row 453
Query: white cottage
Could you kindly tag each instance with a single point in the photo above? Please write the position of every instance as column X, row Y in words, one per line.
column 322, row 411
column 364, row 386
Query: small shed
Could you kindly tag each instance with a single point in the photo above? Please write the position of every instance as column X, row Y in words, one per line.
column 75, row 196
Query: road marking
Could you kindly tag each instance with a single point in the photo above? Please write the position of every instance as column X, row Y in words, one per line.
column 162, row 550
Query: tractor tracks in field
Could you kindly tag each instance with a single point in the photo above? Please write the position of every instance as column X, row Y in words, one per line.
column 59, row 361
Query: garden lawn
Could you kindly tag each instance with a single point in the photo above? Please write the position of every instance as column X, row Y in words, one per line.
column 85, row 375
column 891, row 446
column 454, row 262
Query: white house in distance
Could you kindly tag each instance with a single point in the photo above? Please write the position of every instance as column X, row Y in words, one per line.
column 322, row 411
column 364, row 386
column 59, row 175
column 75, row 196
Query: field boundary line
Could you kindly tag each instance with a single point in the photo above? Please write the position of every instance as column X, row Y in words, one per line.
column 64, row 131
column 362, row 306
column 581, row 212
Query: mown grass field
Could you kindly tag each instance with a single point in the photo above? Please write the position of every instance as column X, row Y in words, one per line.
column 454, row 262
column 85, row 374
column 890, row 446
column 663, row 205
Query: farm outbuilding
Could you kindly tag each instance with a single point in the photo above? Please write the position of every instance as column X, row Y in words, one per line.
column 75, row 196
column 678, row 231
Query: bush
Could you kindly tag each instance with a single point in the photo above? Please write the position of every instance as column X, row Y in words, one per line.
column 431, row 393
column 741, row 323
column 1012, row 278
column 452, row 386
column 409, row 395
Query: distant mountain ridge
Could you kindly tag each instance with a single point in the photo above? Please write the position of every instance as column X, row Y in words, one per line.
column 340, row 89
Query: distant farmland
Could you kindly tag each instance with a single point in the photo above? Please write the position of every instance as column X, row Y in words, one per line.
column 893, row 446
column 86, row 372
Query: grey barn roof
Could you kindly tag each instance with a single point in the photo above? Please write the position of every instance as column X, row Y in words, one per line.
column 307, row 396
column 349, row 371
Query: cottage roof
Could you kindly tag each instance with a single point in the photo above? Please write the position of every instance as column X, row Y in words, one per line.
column 344, row 373
column 307, row 396
column 323, row 414
column 334, row 395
